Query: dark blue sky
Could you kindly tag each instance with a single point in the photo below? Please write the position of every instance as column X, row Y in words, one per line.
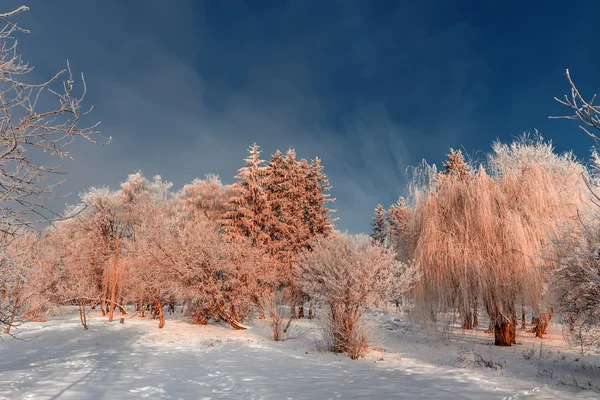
column 371, row 87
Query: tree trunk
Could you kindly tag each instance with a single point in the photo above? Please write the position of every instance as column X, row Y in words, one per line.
column 433, row 316
column 82, row 314
column 502, row 333
column 310, row 311
column 14, row 309
column 161, row 319
column 222, row 315
column 10, row 323
column 468, row 321
column 505, row 331
column 113, row 287
column 540, row 325
column 301, row 310
column 523, row 322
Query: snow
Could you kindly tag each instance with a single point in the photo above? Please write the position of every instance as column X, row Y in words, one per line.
column 59, row 360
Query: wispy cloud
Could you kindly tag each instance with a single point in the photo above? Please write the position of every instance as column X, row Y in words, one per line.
column 368, row 92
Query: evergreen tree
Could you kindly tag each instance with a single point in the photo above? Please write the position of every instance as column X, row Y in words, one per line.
column 398, row 216
column 285, row 189
column 316, row 214
column 456, row 165
column 379, row 225
column 249, row 213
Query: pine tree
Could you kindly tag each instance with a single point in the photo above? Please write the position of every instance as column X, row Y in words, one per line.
column 249, row 213
column 316, row 214
column 398, row 216
column 285, row 189
column 456, row 165
column 379, row 225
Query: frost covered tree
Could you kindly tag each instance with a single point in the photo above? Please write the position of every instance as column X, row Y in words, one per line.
column 379, row 226
column 22, row 295
column 285, row 190
column 296, row 193
column 481, row 239
column 316, row 214
column 575, row 283
column 582, row 110
column 456, row 166
column 35, row 118
column 248, row 212
column 208, row 196
column 279, row 207
column 191, row 259
column 398, row 220
column 350, row 274
column 100, row 216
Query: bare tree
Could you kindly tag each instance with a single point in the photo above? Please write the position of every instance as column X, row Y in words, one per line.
column 575, row 282
column 583, row 110
column 29, row 127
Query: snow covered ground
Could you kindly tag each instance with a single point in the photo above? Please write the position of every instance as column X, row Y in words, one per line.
column 59, row 360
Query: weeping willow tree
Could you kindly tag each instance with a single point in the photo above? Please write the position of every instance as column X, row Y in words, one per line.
column 480, row 234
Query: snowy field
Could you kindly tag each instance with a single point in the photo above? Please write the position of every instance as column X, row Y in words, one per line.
column 59, row 360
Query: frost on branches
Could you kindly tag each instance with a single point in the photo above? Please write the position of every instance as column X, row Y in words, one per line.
column 218, row 251
column 35, row 118
column 481, row 236
column 379, row 226
column 575, row 283
column 279, row 207
column 350, row 274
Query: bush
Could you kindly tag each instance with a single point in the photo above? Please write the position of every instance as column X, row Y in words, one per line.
column 350, row 274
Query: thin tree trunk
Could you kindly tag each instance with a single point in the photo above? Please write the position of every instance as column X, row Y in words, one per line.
column 114, row 282
column 468, row 321
column 142, row 308
column 82, row 314
column 14, row 309
column 301, row 310
column 475, row 316
column 161, row 319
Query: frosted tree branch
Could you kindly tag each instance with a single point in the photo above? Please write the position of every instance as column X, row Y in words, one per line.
column 584, row 111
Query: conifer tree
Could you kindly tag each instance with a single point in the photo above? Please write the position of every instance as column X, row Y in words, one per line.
column 456, row 166
column 249, row 213
column 398, row 217
column 379, row 225
column 316, row 214
column 284, row 190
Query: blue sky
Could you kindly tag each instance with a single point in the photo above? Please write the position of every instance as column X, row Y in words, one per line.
column 371, row 87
